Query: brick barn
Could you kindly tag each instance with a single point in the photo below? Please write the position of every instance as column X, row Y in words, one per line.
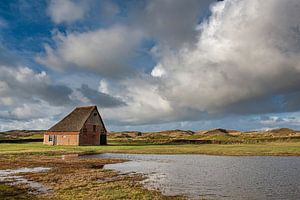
column 83, row 126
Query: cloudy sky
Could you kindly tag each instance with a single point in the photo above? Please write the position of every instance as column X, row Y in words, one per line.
column 151, row 65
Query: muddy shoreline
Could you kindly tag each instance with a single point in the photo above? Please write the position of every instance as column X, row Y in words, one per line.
column 73, row 178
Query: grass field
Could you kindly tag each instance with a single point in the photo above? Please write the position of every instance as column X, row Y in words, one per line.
column 74, row 178
column 271, row 148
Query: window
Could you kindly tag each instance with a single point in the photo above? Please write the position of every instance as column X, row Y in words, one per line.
column 94, row 128
column 50, row 139
column 95, row 114
column 84, row 130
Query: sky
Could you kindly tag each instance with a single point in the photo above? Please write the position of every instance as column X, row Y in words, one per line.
column 151, row 65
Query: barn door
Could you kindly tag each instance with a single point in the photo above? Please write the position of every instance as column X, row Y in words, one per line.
column 103, row 139
column 54, row 140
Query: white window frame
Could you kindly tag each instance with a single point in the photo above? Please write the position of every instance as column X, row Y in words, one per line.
column 51, row 138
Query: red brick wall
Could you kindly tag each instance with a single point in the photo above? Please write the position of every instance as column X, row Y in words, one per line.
column 62, row 138
column 87, row 134
column 46, row 140
column 89, row 137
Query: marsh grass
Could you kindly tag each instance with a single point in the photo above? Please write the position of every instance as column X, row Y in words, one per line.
column 74, row 178
column 8, row 192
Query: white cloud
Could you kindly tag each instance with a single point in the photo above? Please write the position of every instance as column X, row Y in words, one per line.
column 106, row 51
column 34, row 124
column 245, row 50
column 239, row 54
column 29, row 111
column 103, row 86
column 67, row 11
column 143, row 103
column 6, row 101
column 26, row 112
column 158, row 71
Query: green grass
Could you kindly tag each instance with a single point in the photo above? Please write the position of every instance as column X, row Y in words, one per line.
column 17, row 136
column 272, row 148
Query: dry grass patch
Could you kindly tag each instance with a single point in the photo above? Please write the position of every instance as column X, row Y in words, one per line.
column 74, row 178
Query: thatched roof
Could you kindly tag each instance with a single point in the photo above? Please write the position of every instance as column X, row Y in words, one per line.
column 74, row 121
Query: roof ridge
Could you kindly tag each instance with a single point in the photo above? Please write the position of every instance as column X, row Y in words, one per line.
column 86, row 106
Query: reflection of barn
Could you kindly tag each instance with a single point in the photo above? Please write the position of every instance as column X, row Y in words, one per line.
column 83, row 126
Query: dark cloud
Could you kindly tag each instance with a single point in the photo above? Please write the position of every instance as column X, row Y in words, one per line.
column 171, row 22
column 23, row 85
column 56, row 95
column 291, row 101
column 6, row 57
column 256, row 105
column 99, row 98
column 271, row 103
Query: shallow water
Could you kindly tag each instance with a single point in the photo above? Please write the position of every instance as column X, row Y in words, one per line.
column 215, row 177
column 10, row 176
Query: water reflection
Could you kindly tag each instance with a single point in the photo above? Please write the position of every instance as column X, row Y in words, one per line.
column 215, row 177
column 10, row 176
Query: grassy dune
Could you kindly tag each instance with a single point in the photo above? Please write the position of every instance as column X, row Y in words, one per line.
column 225, row 142
column 21, row 134
column 220, row 136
